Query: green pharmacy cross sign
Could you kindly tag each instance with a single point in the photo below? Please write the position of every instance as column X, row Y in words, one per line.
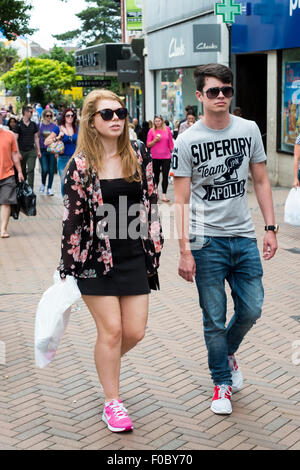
column 228, row 9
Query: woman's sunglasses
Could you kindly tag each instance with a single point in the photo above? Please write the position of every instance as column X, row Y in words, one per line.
column 69, row 115
column 107, row 114
column 49, row 115
column 214, row 92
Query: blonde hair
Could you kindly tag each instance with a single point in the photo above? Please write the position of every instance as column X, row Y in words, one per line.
column 47, row 111
column 163, row 123
column 89, row 139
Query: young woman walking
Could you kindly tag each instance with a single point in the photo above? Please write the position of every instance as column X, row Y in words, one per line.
column 67, row 133
column 48, row 159
column 111, row 238
column 160, row 141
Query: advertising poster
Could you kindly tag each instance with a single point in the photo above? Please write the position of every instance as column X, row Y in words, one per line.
column 134, row 15
column 291, row 103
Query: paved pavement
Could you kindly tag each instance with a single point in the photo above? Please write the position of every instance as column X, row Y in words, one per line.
column 165, row 381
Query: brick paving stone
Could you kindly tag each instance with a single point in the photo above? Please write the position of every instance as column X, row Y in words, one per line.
column 165, row 380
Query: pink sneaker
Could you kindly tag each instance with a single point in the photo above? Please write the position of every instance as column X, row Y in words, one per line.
column 116, row 417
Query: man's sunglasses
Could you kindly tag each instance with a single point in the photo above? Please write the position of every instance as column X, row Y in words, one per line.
column 107, row 114
column 214, row 92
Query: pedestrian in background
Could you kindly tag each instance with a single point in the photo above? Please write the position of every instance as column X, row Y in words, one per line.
column 210, row 168
column 132, row 133
column 190, row 120
column 143, row 133
column 175, row 131
column 67, row 133
column 160, row 141
column 136, row 125
column 297, row 162
column 107, row 173
column 47, row 159
column 237, row 111
column 11, row 123
column 9, row 157
column 188, row 109
column 26, row 132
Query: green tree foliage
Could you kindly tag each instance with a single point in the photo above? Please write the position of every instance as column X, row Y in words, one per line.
column 58, row 53
column 101, row 22
column 14, row 18
column 8, row 57
column 46, row 78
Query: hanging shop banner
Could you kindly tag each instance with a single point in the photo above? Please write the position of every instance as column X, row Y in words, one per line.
column 134, row 15
column 291, row 103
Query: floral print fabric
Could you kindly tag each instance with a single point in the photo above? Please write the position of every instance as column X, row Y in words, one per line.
column 82, row 189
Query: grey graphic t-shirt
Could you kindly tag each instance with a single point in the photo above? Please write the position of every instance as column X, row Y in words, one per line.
column 217, row 161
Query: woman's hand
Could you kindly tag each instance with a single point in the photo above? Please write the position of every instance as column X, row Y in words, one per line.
column 296, row 183
column 50, row 139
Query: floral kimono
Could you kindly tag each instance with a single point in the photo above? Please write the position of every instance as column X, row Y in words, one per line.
column 82, row 189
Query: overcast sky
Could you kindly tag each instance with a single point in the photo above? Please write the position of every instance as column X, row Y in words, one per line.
column 54, row 17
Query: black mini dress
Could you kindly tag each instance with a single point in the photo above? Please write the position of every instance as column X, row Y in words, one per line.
column 129, row 274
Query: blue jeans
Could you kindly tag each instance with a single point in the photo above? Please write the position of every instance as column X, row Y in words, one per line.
column 236, row 260
column 47, row 164
column 61, row 165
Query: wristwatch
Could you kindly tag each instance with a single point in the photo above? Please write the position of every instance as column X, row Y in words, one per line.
column 272, row 228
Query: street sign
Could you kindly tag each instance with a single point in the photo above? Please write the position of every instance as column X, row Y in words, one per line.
column 93, row 83
column 228, row 9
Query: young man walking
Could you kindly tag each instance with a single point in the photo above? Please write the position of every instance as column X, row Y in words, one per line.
column 210, row 163
column 26, row 132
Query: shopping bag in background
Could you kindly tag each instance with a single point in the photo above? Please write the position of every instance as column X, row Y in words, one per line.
column 52, row 317
column 292, row 207
column 26, row 198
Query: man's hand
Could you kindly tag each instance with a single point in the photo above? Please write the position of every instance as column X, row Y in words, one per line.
column 270, row 245
column 20, row 176
column 187, row 267
column 39, row 154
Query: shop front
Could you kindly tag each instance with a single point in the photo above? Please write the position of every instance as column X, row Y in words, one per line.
column 269, row 34
column 120, row 60
column 175, row 47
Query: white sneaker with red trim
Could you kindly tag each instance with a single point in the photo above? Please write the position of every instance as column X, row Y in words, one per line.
column 236, row 374
column 221, row 402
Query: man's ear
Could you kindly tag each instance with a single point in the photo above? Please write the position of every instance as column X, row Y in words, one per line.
column 199, row 96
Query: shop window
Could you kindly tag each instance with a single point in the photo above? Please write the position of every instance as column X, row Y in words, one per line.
column 171, row 94
column 290, row 100
column 175, row 89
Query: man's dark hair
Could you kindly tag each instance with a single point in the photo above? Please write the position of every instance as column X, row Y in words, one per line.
column 223, row 73
column 26, row 108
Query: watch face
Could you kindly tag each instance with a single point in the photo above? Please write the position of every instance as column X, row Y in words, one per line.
column 272, row 228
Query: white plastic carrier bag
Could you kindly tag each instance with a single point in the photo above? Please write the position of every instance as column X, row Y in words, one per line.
column 292, row 207
column 52, row 317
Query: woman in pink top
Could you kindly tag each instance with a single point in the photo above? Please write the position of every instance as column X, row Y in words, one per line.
column 160, row 141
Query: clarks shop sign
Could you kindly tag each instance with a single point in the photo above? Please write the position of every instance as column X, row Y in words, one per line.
column 180, row 45
column 176, row 48
column 206, row 37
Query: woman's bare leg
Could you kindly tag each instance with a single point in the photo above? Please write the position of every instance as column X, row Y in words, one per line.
column 106, row 312
column 134, row 311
